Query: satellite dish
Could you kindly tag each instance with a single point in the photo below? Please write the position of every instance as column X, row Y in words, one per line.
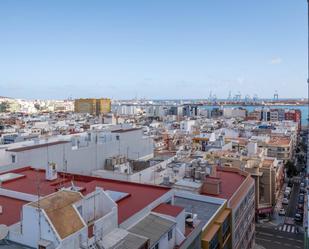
column 4, row 231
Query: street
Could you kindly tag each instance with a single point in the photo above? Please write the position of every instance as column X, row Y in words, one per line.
column 292, row 207
column 283, row 231
column 274, row 239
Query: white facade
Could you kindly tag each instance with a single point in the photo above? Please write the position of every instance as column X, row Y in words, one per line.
column 234, row 113
column 83, row 153
column 36, row 227
column 187, row 125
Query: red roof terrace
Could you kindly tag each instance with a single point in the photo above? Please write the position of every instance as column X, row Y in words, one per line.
column 33, row 181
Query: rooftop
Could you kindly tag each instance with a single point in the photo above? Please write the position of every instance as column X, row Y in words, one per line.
column 36, row 146
column 139, row 195
column 122, row 239
column 59, row 209
column 268, row 162
column 279, row 141
column 201, row 205
column 152, row 227
column 167, row 209
column 126, row 130
column 230, row 182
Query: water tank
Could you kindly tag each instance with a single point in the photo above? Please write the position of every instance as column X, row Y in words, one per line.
column 203, row 176
column 197, row 174
column 188, row 172
column 166, row 180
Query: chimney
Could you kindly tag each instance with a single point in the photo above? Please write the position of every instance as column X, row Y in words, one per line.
column 51, row 171
column 211, row 185
column 213, row 172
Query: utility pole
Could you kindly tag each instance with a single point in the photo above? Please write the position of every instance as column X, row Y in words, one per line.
column 307, row 163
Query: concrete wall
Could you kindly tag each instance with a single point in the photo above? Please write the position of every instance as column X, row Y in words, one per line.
column 31, row 230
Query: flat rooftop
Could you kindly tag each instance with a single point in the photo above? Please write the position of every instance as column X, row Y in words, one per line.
column 205, row 209
column 138, row 195
column 230, row 183
column 35, row 146
column 279, row 141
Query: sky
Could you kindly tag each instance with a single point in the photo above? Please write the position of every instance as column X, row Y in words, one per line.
column 155, row 49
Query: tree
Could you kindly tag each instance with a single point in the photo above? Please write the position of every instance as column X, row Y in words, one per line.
column 290, row 169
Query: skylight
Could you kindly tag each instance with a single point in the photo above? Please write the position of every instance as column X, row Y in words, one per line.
column 9, row 176
column 115, row 195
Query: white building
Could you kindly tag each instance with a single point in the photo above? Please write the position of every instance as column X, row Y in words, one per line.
column 234, row 113
column 187, row 125
column 78, row 153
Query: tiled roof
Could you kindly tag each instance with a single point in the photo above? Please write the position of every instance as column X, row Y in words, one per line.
column 60, row 211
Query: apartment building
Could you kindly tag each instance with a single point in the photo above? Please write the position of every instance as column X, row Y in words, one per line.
column 92, row 106
column 269, row 177
column 50, row 209
column 295, row 116
column 234, row 113
column 214, row 215
column 79, row 153
column 280, row 147
column 238, row 189
column 267, row 172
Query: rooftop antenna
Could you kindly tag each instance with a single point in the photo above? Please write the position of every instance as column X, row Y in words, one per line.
column 308, row 96
column 38, row 189
column 65, row 167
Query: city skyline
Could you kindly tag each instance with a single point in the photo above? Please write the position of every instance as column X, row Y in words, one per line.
column 174, row 50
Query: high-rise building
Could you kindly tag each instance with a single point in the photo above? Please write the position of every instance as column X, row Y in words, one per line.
column 92, row 106
column 294, row 115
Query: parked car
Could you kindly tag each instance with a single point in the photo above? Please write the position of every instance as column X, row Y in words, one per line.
column 285, row 201
column 300, row 206
column 282, row 212
column 288, row 189
column 298, row 217
column 300, row 211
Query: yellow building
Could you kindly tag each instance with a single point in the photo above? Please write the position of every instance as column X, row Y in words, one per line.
column 92, row 106
column 217, row 234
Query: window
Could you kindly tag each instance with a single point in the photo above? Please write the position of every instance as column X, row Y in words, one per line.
column 117, row 137
column 214, row 243
column 156, row 246
column 170, row 235
column 13, row 158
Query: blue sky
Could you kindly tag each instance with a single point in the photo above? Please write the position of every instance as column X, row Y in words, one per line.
column 152, row 49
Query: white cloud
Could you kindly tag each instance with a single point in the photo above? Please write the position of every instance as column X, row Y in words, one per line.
column 276, row 61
